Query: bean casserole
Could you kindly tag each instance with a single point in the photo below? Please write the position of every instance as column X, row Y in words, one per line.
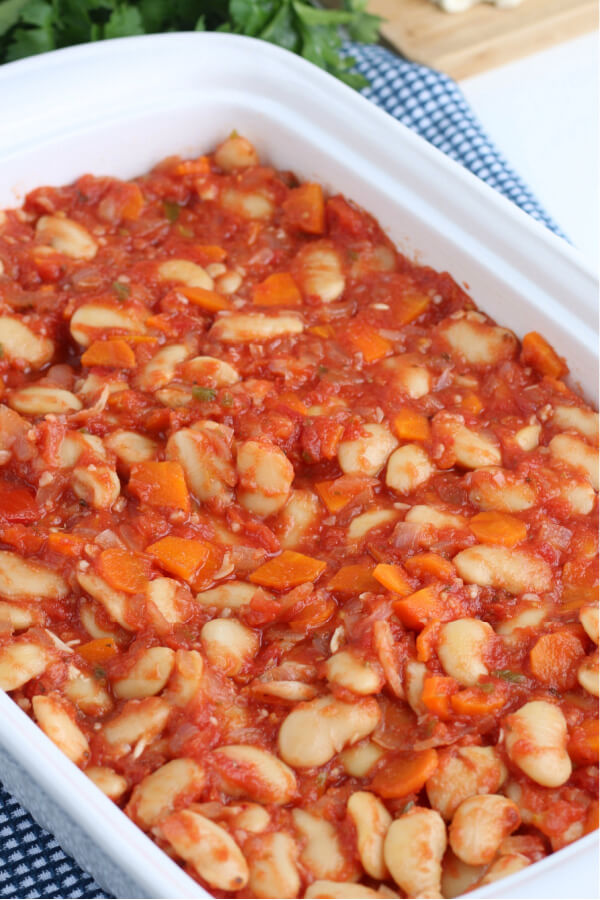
column 298, row 547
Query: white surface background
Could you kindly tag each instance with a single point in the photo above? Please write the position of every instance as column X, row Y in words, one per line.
column 542, row 113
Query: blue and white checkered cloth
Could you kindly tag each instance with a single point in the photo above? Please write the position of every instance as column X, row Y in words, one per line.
column 31, row 862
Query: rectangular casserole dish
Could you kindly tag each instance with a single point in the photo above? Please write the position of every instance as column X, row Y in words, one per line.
column 119, row 107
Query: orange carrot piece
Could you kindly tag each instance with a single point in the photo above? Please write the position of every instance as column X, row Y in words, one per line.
column 554, row 658
column 537, row 353
column 200, row 166
column 426, row 642
column 353, row 580
column 211, row 252
column 405, row 774
column 209, row 300
column 410, row 425
column 124, row 570
column 99, row 650
column 437, row 691
column 114, row 353
column 66, row 544
column 574, row 596
column 421, row 607
column 131, row 201
column 288, row 398
column 323, row 331
column 366, row 340
column 583, row 746
column 472, row 403
column 304, row 208
column 160, row 484
column 410, row 307
column 288, row 570
column 476, row 702
column 314, row 614
column 393, row 578
column 180, row 556
column 425, row 564
column 336, row 493
column 279, row 289
column 498, row 528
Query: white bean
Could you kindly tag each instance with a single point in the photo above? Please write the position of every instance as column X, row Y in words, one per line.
column 74, row 444
column 587, row 674
column 54, row 719
column 528, row 437
column 322, row 853
column 355, row 674
column 87, row 615
column 297, row 518
column 457, row 876
column 163, row 594
column 429, row 515
column 408, row 467
column 367, row 455
column 464, row 773
column 499, row 489
column 574, row 418
column 186, row 682
column 157, row 795
column 478, row 342
column 160, row 370
column 20, row 662
column 514, row 570
column 461, row 649
column 97, row 485
column 577, row 454
column 19, row 342
column 273, row 870
column 147, row 676
column 231, row 595
column 321, row 273
column 248, row 204
column 413, row 849
column 332, row 890
column 315, row 731
column 207, row 848
column 66, row 236
column 204, row 451
column 371, row 820
column 265, row 477
column 245, row 329
column 86, row 693
column 116, row 603
column 409, row 377
column 131, row 447
column 473, row 449
column 505, row 865
column 17, row 618
column 536, row 739
column 38, row 400
column 235, row 153
column 375, row 518
column 246, row 771
column 588, row 616
column 228, row 645
column 108, row 781
column 137, row 719
column 185, row 272
column 26, row 579
column 359, row 760
column 93, row 319
column 210, row 369
column 479, row 826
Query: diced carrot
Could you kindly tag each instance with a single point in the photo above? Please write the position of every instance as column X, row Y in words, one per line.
column 288, row 570
column 427, row 640
column 132, row 201
column 336, row 493
column 124, row 570
column 410, row 425
column 99, row 650
column 472, row 403
column 583, row 746
column 421, row 607
column 353, row 580
column 200, row 166
column 410, row 307
column 304, row 208
column 437, row 691
column 498, row 528
column 364, row 339
column 574, row 596
column 554, row 659
column 70, row 545
column 161, row 323
column 425, row 564
column 18, row 504
column 211, row 252
column 139, row 339
column 393, row 578
column 115, row 354
column 314, row 614
column 477, row 702
column 180, row 556
column 287, row 398
column 537, row 353
column 323, row 331
column 209, row 300
column 405, row 774
column 279, row 289
column 160, row 484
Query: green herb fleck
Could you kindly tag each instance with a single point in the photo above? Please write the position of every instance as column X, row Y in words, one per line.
column 509, row 675
column 205, row 395
column 227, row 400
column 122, row 290
column 171, row 210
column 185, row 232
column 408, row 806
column 99, row 672
column 323, row 370
column 487, row 687
column 1, row 351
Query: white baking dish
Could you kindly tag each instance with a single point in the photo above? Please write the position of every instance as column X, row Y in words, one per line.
column 117, row 108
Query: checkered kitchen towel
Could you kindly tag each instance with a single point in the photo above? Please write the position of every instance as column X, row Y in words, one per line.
column 31, row 862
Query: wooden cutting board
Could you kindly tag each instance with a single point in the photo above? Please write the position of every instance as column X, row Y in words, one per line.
column 463, row 44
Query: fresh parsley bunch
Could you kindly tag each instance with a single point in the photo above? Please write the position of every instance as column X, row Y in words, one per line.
column 28, row 27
